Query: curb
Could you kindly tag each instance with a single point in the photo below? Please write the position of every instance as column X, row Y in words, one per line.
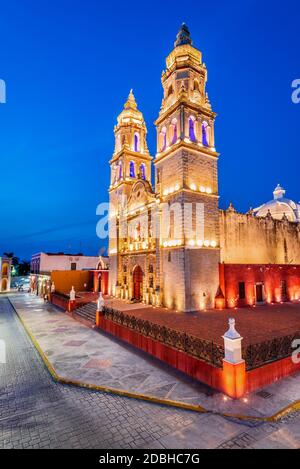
column 142, row 397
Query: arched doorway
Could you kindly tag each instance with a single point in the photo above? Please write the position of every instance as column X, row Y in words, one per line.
column 5, row 269
column 4, row 285
column 137, row 283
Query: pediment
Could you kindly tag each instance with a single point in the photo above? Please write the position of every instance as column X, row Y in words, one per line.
column 141, row 195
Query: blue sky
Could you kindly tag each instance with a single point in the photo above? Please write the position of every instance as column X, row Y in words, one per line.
column 69, row 65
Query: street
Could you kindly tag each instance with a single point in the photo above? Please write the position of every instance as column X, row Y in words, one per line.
column 36, row 412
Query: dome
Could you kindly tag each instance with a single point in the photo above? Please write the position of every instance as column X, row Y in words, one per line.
column 279, row 207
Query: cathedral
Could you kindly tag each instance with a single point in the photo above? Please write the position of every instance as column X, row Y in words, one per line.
column 170, row 245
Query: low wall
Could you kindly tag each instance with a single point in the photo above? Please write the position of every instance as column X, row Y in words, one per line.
column 65, row 280
column 232, row 380
column 268, row 374
column 198, row 369
column 63, row 301
column 60, row 301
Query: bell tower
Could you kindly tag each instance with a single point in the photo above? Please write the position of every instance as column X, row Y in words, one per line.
column 186, row 174
column 131, row 161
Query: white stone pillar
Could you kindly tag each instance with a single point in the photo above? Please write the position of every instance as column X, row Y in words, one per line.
column 234, row 367
column 232, row 344
column 72, row 294
column 100, row 302
column 99, row 312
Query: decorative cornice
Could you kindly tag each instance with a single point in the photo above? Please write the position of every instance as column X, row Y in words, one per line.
column 189, row 146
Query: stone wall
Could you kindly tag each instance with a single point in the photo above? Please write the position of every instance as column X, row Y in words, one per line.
column 246, row 239
column 190, row 276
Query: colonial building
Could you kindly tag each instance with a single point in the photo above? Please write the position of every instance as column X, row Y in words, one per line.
column 5, row 274
column 67, row 270
column 170, row 244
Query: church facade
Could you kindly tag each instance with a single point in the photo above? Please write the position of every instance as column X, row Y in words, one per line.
column 170, row 244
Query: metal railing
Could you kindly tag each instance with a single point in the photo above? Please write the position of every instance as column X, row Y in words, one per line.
column 201, row 349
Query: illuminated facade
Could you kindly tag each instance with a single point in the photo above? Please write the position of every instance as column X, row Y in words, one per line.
column 178, row 261
column 5, row 274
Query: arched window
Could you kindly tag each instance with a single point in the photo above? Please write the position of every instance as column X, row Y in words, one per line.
column 120, row 171
column 136, row 142
column 192, row 129
column 143, row 171
column 131, row 169
column 163, row 139
column 196, row 86
column 170, row 91
column 114, row 174
column 205, row 134
column 174, row 129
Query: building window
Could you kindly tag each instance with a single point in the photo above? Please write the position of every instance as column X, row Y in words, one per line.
column 73, row 265
column 169, row 257
column 170, row 90
column 131, row 169
column 242, row 291
column 150, row 269
column 163, row 139
column 136, row 142
column 120, row 171
column 143, row 171
column 174, row 129
column 205, row 134
column 192, row 129
column 151, row 282
column 158, row 173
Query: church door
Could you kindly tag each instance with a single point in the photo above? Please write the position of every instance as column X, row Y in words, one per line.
column 259, row 293
column 137, row 283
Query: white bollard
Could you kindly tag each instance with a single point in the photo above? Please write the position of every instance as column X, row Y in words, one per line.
column 232, row 344
column 72, row 294
column 100, row 303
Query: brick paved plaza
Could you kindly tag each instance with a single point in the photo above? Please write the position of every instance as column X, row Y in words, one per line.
column 36, row 412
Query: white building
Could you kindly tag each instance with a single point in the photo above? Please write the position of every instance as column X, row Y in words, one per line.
column 44, row 263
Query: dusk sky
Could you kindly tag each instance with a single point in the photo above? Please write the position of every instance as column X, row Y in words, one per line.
column 68, row 67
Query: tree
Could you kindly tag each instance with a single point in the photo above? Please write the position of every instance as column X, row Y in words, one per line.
column 24, row 268
column 15, row 259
